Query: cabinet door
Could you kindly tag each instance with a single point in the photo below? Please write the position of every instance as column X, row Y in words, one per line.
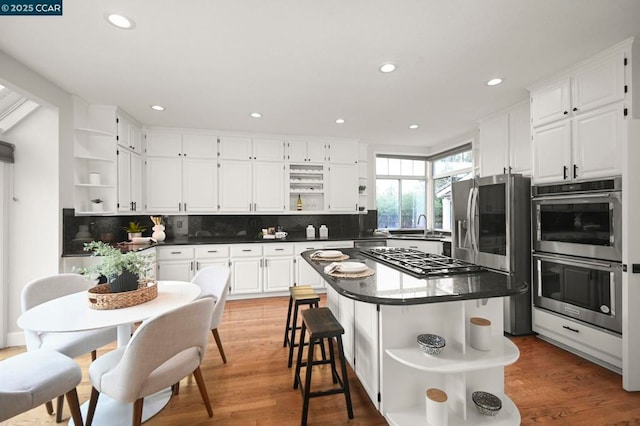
column 199, row 146
column 123, row 131
column 552, row 152
column 164, row 184
column 343, row 187
column 268, row 187
column 306, row 275
column 247, row 275
column 520, row 139
column 550, row 103
column 124, row 181
column 597, row 143
column 346, row 308
column 162, row 144
column 136, row 182
column 201, row 264
column 235, row 148
column 268, row 150
column 494, row 142
column 278, row 273
column 175, row 271
column 200, row 185
column 135, row 138
column 367, row 365
column 316, row 151
column 343, row 152
column 599, row 83
column 235, row 186
column 297, row 150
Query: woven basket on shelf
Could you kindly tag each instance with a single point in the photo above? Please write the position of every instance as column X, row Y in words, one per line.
column 101, row 298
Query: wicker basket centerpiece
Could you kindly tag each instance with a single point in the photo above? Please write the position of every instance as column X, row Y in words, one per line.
column 101, row 297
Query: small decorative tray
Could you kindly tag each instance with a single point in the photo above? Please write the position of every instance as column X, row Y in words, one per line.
column 101, row 298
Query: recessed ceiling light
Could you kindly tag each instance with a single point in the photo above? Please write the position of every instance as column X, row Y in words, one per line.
column 256, row 115
column 120, row 21
column 157, row 107
column 413, row 126
column 387, row 68
column 340, row 121
column 494, row 82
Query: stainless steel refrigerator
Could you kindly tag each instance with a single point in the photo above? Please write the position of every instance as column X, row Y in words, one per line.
column 491, row 228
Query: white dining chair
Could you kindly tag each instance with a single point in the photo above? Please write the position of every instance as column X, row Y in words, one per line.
column 162, row 351
column 214, row 281
column 72, row 344
column 32, row 378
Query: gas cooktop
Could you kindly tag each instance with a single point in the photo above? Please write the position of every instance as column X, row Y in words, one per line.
column 420, row 264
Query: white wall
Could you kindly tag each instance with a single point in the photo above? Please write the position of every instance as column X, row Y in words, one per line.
column 43, row 179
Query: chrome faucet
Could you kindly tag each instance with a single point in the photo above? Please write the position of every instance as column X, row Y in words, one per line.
column 426, row 230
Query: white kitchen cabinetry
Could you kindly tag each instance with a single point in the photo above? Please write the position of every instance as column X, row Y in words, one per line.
column 175, row 263
column 303, row 151
column 199, row 185
column 424, row 246
column 339, row 152
column 129, row 181
column 406, row 372
column 209, row 255
column 305, row 274
column 246, row 148
column 343, row 187
column 247, row 186
column 174, row 144
column 278, row 266
column 164, row 184
column 309, row 182
column 578, row 121
column 505, row 142
column 129, row 133
column 246, row 268
column 366, row 347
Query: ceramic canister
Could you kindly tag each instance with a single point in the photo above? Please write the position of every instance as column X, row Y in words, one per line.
column 480, row 333
column 437, row 414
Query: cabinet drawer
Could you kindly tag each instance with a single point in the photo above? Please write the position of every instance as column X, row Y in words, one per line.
column 299, row 248
column 338, row 244
column 597, row 343
column 246, row 250
column 212, row 251
column 278, row 250
column 175, row 253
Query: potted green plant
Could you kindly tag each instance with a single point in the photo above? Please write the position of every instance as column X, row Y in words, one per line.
column 122, row 270
column 361, row 188
column 134, row 230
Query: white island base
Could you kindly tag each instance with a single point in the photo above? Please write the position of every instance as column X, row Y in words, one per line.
column 381, row 345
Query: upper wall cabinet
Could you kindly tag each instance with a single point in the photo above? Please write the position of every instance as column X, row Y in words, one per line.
column 163, row 144
column 596, row 84
column 578, row 120
column 302, row 150
column 245, row 148
column 342, row 152
column 129, row 133
column 505, row 142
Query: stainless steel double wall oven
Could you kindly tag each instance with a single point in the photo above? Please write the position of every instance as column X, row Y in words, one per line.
column 577, row 250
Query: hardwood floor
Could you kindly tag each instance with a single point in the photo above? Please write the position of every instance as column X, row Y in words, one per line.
column 547, row 384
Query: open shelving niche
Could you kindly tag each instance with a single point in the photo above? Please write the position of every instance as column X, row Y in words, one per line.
column 406, row 372
column 309, row 182
column 94, row 152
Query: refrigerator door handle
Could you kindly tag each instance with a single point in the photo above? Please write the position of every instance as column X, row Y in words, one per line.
column 472, row 231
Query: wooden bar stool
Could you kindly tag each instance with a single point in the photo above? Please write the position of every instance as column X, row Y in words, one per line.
column 321, row 325
column 299, row 296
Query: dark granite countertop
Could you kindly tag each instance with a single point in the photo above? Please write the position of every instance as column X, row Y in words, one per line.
column 389, row 286
column 78, row 250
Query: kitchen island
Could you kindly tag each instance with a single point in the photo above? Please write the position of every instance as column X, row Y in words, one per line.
column 382, row 315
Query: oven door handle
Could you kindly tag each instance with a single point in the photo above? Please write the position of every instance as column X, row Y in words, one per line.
column 577, row 196
column 572, row 261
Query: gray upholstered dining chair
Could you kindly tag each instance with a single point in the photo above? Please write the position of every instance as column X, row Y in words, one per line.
column 72, row 344
column 214, row 281
column 162, row 351
column 34, row 377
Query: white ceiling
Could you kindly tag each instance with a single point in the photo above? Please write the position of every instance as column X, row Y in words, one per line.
column 303, row 64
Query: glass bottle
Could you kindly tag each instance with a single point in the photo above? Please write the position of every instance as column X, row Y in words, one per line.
column 299, row 203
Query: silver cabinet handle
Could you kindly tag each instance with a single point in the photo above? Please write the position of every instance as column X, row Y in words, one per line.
column 212, row 251
column 176, row 252
column 266, row 263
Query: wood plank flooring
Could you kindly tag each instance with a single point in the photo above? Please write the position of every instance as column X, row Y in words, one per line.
column 549, row 385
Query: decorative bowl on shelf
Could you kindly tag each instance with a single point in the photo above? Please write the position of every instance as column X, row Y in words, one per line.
column 486, row 403
column 431, row 344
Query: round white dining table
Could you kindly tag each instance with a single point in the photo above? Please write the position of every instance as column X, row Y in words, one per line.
column 72, row 313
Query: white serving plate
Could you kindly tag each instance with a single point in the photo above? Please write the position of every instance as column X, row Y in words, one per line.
column 141, row 240
column 328, row 253
column 351, row 267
